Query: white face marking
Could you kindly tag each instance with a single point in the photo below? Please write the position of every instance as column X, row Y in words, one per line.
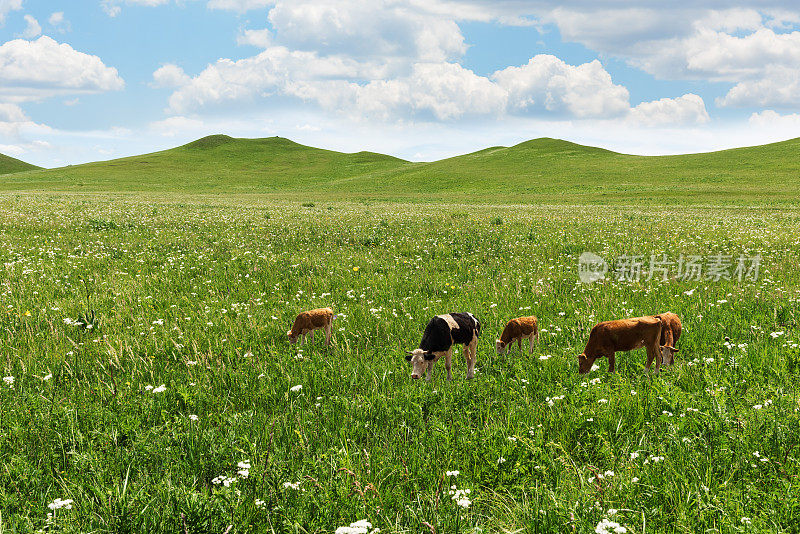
column 418, row 363
column 499, row 346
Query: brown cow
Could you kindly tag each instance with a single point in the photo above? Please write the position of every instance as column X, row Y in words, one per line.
column 670, row 334
column 516, row 330
column 608, row 337
column 308, row 321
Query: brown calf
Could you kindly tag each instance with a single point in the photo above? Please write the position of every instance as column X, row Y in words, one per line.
column 308, row 321
column 670, row 334
column 516, row 330
column 608, row 337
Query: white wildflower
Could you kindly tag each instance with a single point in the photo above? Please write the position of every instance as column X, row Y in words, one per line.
column 296, row 388
column 606, row 526
column 57, row 504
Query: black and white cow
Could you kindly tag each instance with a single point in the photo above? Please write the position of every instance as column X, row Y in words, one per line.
column 442, row 332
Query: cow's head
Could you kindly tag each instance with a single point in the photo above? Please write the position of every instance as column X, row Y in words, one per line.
column 419, row 361
column 585, row 363
column 668, row 355
column 500, row 346
column 292, row 339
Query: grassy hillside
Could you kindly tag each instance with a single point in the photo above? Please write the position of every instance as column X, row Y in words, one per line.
column 217, row 163
column 9, row 165
column 540, row 170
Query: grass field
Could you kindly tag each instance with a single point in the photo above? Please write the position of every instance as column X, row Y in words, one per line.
column 184, row 409
column 538, row 171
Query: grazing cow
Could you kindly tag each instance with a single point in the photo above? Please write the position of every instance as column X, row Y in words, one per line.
column 670, row 334
column 442, row 332
column 516, row 330
column 308, row 321
column 608, row 337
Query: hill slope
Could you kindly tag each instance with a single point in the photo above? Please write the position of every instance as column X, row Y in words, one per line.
column 9, row 165
column 216, row 163
column 541, row 170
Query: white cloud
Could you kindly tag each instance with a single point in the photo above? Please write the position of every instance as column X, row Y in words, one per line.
column 547, row 84
column 266, row 73
column 113, row 8
column 177, row 125
column 259, row 38
column 170, row 76
column 31, row 70
column 58, row 22
column 779, row 87
column 11, row 113
column 442, row 91
column 32, row 28
column 7, row 6
column 239, row 5
column 769, row 117
column 366, row 29
column 685, row 110
column 14, row 121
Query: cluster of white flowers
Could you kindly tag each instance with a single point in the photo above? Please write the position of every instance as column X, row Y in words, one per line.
column 58, row 504
column 452, row 473
column 606, row 526
column 291, row 485
column 728, row 345
column 295, row 389
column 160, row 389
column 552, row 400
column 777, row 334
column 242, row 472
column 193, row 417
column 9, row 380
column 460, row 496
column 545, row 357
column 244, row 469
column 224, row 480
column 746, row 520
column 759, row 406
column 359, row 527
column 602, row 401
column 654, row 459
column 261, row 504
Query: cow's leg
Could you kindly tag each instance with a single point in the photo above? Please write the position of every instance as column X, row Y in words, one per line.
column 612, row 361
column 448, row 358
column 470, row 352
column 530, row 348
column 653, row 353
column 429, row 373
column 302, row 339
column 328, row 334
column 312, row 336
column 519, row 343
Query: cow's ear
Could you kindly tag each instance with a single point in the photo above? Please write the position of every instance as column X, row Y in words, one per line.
column 408, row 357
column 429, row 356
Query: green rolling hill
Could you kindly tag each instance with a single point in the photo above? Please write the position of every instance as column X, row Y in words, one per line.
column 11, row 165
column 541, row 170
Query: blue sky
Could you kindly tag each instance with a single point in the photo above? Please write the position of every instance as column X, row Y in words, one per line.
column 98, row 79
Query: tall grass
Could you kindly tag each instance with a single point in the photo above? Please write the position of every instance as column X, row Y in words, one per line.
column 196, row 294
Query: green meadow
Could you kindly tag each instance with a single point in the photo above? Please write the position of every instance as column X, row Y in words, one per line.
column 148, row 385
